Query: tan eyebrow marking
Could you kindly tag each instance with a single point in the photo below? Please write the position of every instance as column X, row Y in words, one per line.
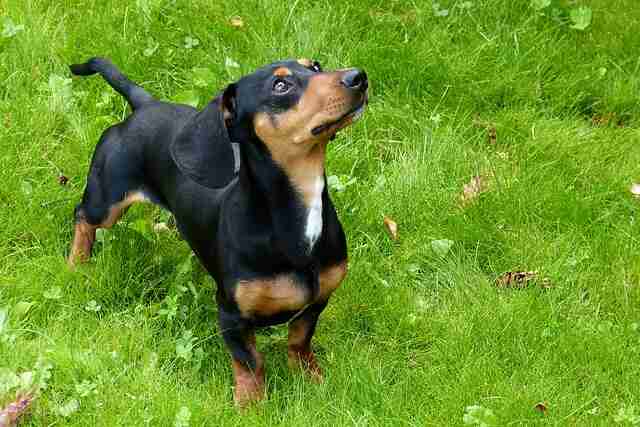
column 282, row 72
column 305, row 62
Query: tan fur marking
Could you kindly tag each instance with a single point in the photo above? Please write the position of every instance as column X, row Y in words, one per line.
column 305, row 62
column 288, row 136
column 84, row 233
column 116, row 211
column 299, row 350
column 331, row 278
column 249, row 385
column 266, row 297
column 282, row 72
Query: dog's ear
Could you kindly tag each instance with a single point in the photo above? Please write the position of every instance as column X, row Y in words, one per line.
column 203, row 150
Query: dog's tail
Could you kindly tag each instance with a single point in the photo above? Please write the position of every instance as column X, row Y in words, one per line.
column 134, row 94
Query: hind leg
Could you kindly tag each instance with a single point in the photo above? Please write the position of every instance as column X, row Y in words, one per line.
column 114, row 183
column 105, row 215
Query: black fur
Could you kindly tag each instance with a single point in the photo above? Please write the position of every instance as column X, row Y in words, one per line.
column 242, row 226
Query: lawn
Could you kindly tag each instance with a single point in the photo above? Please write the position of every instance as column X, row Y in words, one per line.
column 423, row 332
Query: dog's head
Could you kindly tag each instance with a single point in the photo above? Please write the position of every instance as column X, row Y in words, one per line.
column 286, row 109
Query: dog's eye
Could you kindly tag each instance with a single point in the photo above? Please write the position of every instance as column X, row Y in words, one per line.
column 315, row 66
column 281, row 86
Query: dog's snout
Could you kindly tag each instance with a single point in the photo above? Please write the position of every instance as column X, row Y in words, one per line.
column 355, row 79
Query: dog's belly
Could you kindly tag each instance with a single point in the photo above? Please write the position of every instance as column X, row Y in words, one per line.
column 276, row 300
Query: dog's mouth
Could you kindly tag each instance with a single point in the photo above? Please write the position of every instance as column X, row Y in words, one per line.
column 350, row 117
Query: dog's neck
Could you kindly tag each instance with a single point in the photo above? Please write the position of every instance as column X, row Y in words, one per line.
column 306, row 177
column 293, row 190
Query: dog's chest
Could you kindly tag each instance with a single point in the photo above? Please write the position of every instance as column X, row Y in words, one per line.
column 267, row 297
column 313, row 225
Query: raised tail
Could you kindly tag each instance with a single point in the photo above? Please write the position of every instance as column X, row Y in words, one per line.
column 134, row 94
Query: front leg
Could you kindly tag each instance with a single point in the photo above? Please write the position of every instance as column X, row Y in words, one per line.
column 248, row 364
column 301, row 331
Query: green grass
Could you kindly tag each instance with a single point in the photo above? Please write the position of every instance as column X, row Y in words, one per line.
column 412, row 338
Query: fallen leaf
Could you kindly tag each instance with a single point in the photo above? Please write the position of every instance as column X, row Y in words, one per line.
column 10, row 414
column 542, row 407
column 472, row 189
column 62, row 179
column 635, row 190
column 236, row 22
column 515, row 279
column 493, row 135
column 492, row 132
column 603, row 119
column 391, row 227
column 521, row 280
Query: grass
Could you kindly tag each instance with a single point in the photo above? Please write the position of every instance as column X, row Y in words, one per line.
column 412, row 338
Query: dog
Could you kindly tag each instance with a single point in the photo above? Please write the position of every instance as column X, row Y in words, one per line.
column 245, row 180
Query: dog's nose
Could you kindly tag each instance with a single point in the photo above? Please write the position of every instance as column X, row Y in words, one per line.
column 355, row 79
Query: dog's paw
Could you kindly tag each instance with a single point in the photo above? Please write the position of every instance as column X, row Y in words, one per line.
column 306, row 361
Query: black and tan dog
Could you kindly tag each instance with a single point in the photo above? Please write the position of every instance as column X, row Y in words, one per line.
column 245, row 180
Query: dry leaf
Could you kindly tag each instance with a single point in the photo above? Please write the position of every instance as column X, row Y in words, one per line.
column 635, row 190
column 62, row 180
column 607, row 119
column 603, row 119
column 472, row 189
column 391, row 227
column 516, row 279
column 236, row 22
column 542, row 407
column 10, row 414
column 492, row 132
column 521, row 280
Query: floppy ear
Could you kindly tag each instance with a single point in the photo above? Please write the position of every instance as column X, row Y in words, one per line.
column 203, row 150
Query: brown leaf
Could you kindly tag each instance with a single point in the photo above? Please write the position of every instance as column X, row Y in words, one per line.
column 391, row 227
column 541, row 407
column 62, row 180
column 236, row 22
column 603, row 119
column 10, row 414
column 635, row 190
column 521, row 280
column 516, row 279
column 472, row 189
column 492, row 133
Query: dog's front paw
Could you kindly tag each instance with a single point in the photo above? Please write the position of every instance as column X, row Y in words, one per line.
column 249, row 386
column 306, row 361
